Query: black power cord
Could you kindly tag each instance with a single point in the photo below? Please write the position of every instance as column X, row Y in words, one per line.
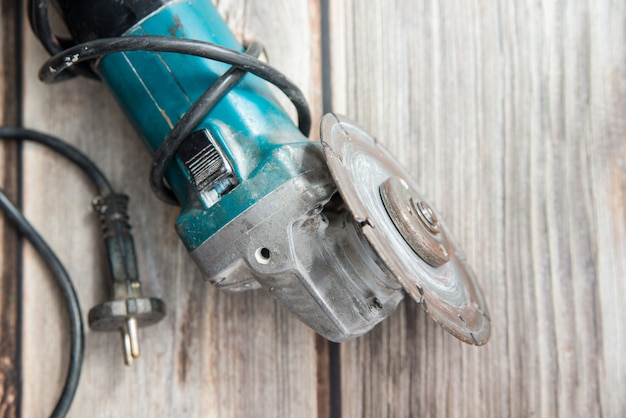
column 71, row 153
column 63, row 280
column 40, row 24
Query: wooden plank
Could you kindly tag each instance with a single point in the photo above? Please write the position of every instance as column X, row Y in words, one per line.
column 216, row 354
column 511, row 116
column 10, row 253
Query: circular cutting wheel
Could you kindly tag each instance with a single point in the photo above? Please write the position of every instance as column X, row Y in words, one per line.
column 404, row 230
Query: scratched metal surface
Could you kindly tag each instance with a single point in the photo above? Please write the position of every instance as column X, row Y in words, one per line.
column 509, row 114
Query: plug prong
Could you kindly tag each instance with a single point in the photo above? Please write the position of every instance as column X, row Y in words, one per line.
column 128, row 355
column 131, row 325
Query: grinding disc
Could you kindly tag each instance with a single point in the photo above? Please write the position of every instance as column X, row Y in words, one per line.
column 446, row 287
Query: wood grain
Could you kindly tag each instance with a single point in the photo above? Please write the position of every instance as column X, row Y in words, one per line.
column 216, row 354
column 10, row 252
column 511, row 116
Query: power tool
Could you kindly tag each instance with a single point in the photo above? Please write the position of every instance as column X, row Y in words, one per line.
column 335, row 229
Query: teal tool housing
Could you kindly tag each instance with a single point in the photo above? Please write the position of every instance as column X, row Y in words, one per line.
column 248, row 126
column 338, row 235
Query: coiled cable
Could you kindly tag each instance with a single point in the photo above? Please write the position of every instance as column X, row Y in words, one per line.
column 242, row 63
column 62, row 278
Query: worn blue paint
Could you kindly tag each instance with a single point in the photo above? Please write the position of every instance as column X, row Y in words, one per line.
column 155, row 90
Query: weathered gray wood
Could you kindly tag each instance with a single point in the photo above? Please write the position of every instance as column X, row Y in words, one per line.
column 215, row 354
column 511, row 116
column 9, row 240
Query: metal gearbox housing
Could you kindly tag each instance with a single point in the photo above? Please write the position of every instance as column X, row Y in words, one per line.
column 303, row 246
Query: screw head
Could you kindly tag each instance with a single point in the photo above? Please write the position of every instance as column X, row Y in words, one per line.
column 426, row 214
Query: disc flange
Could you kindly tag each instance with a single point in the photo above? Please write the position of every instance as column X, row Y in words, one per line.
column 416, row 221
column 419, row 251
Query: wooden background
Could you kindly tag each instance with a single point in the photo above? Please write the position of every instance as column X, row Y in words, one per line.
column 511, row 115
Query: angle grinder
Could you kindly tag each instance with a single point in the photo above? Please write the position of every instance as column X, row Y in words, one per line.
column 336, row 230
